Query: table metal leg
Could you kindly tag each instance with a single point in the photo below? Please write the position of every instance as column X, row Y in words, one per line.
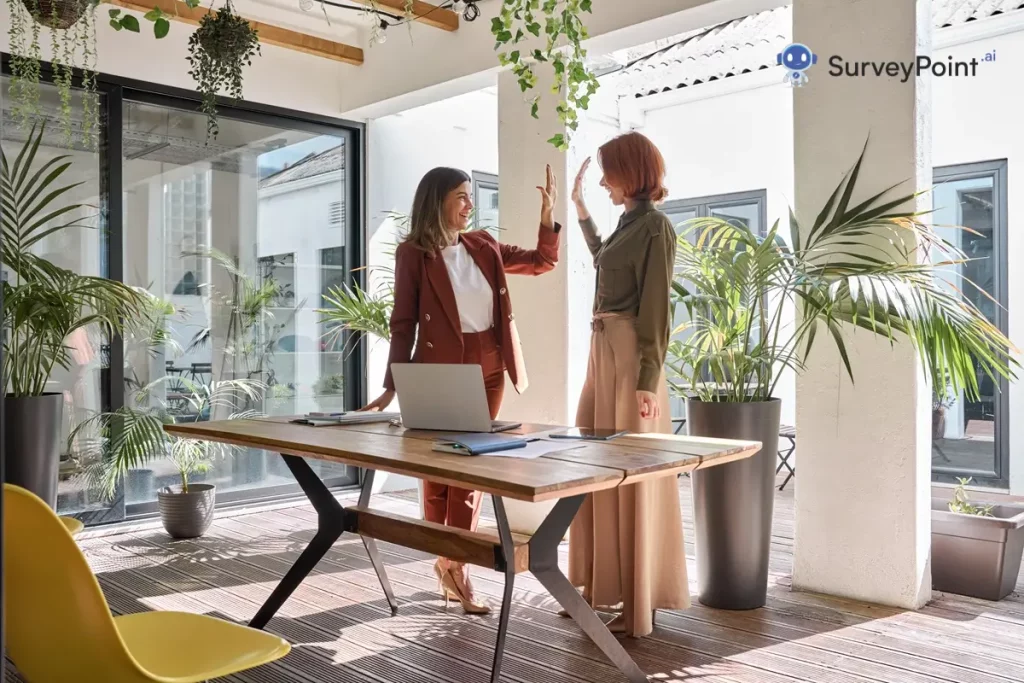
column 544, row 566
column 371, row 545
column 330, row 527
column 508, row 555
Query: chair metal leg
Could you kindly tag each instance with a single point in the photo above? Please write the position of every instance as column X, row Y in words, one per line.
column 331, row 524
column 544, row 566
column 784, row 462
column 508, row 557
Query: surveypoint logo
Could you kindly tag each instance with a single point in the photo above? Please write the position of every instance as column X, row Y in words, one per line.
column 797, row 58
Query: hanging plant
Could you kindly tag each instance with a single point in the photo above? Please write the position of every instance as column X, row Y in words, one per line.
column 564, row 31
column 219, row 48
column 73, row 38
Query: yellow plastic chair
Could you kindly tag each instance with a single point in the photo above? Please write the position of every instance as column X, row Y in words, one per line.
column 60, row 630
column 73, row 525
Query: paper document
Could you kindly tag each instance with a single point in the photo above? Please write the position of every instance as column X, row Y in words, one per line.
column 535, row 449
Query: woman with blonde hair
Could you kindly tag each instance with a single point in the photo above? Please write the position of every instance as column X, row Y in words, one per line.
column 626, row 544
column 452, row 305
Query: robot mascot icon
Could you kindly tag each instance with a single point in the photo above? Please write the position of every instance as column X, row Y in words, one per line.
column 797, row 58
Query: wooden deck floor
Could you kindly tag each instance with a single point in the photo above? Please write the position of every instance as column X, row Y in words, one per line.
column 342, row 631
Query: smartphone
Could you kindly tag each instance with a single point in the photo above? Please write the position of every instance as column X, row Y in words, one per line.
column 588, row 434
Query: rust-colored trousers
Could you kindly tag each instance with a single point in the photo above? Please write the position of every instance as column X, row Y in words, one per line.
column 447, row 504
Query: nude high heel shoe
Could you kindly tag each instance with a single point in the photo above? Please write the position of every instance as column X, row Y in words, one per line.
column 456, row 585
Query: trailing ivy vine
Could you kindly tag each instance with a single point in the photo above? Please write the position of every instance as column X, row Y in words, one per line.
column 564, row 31
column 219, row 48
column 72, row 27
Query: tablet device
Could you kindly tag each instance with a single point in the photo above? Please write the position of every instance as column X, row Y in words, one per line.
column 586, row 434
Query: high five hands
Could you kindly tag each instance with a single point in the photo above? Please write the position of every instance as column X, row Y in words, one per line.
column 577, row 192
column 548, row 197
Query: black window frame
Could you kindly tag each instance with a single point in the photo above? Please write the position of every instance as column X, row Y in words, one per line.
column 115, row 91
column 997, row 169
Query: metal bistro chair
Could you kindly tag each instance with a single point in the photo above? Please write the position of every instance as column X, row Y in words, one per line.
column 786, row 432
column 60, row 629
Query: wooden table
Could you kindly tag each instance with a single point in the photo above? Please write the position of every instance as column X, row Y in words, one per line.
column 566, row 476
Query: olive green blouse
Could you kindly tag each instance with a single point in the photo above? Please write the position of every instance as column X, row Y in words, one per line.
column 634, row 274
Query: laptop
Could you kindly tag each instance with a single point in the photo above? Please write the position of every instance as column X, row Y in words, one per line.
column 446, row 398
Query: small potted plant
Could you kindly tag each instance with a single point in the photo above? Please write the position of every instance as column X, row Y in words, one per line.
column 976, row 547
column 186, row 510
column 134, row 436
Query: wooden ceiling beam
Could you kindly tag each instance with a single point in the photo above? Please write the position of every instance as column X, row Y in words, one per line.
column 424, row 12
column 268, row 33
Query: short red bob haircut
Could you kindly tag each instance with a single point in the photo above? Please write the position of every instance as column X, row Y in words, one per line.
column 632, row 163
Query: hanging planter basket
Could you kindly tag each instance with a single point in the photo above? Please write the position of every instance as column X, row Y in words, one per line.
column 57, row 14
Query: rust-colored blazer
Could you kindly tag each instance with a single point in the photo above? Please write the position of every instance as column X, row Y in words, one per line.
column 424, row 298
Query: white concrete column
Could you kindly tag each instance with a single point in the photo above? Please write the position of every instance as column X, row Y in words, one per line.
column 541, row 304
column 863, row 485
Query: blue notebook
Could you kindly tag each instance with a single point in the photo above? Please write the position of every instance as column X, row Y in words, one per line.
column 477, row 444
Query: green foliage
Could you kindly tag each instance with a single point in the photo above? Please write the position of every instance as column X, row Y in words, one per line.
column 44, row 304
column 330, row 385
column 522, row 21
column 218, row 49
column 129, row 437
column 962, row 505
column 252, row 331
column 856, row 269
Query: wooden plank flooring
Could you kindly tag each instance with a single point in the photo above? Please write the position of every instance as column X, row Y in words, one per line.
column 342, row 631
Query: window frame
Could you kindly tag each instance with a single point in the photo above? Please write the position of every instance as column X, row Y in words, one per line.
column 483, row 181
column 997, row 169
column 114, row 92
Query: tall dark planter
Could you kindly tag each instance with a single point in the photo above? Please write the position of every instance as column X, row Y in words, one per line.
column 32, row 427
column 733, row 504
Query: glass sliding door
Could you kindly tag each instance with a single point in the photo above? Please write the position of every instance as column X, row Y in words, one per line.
column 83, row 249
column 970, row 437
column 239, row 236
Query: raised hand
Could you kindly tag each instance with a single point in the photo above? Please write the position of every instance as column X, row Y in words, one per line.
column 548, row 197
column 577, row 191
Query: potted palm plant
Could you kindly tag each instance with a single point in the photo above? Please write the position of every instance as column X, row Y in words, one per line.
column 737, row 287
column 132, row 436
column 49, row 313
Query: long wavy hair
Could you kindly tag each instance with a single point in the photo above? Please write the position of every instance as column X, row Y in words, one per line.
column 427, row 228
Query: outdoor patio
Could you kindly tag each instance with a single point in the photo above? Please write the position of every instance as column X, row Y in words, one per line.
column 343, row 633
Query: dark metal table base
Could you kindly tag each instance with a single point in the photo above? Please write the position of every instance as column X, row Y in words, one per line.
column 332, row 523
column 330, row 526
column 544, row 565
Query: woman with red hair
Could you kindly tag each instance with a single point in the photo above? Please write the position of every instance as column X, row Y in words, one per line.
column 626, row 544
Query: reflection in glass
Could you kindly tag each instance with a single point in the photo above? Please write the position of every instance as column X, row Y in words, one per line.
column 233, row 234
column 963, row 432
column 82, row 250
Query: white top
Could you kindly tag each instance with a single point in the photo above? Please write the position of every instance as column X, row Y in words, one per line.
column 473, row 294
